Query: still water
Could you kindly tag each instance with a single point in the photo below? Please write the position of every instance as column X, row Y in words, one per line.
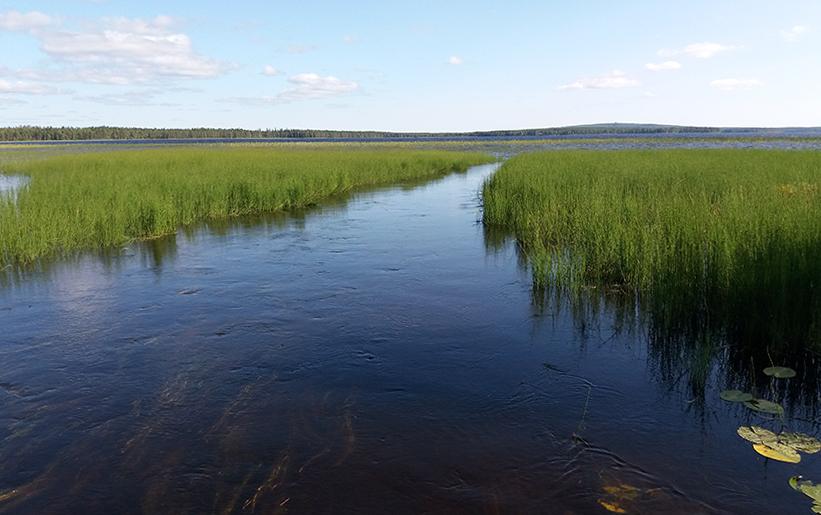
column 9, row 184
column 381, row 354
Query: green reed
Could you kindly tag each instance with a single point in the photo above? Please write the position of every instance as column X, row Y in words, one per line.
column 94, row 200
column 729, row 235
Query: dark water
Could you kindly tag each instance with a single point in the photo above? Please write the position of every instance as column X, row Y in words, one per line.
column 380, row 355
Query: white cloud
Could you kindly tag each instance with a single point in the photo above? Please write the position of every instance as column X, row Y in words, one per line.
column 304, row 86
column 614, row 80
column 271, row 71
column 17, row 21
column 114, row 51
column 455, row 60
column 736, row 84
column 794, row 34
column 666, row 65
column 349, row 39
column 704, row 50
column 307, row 86
column 24, row 88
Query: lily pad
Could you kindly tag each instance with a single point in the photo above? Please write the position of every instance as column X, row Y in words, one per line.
column 756, row 434
column 780, row 372
column 800, row 442
column 782, row 447
column 736, row 396
column 809, row 489
column 765, row 406
column 779, row 453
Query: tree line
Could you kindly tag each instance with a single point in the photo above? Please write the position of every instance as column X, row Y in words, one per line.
column 35, row 133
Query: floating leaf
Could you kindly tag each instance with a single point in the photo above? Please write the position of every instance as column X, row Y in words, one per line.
column 780, row 372
column 755, row 434
column 765, row 406
column 809, row 489
column 800, row 442
column 736, row 396
column 789, row 444
column 780, row 453
column 611, row 506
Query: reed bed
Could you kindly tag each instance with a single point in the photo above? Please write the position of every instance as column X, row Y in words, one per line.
column 705, row 218
column 95, row 200
column 721, row 239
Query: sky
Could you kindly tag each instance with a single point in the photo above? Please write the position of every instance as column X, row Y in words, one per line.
column 410, row 66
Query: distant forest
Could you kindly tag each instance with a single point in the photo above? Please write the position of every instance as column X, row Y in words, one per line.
column 32, row 133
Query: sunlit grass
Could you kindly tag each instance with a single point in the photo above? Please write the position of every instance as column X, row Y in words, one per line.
column 704, row 218
column 92, row 200
column 725, row 239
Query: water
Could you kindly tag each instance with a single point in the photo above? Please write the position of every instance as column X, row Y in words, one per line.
column 10, row 184
column 380, row 354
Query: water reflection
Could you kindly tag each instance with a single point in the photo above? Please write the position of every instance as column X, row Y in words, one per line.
column 10, row 185
column 703, row 342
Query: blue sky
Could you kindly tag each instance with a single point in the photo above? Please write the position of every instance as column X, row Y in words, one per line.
column 409, row 66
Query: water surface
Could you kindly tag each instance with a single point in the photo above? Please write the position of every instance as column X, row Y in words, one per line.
column 9, row 184
column 380, row 354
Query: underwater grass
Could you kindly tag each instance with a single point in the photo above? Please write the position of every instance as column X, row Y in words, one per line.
column 95, row 200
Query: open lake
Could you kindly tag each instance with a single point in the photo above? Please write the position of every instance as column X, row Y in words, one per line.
column 381, row 353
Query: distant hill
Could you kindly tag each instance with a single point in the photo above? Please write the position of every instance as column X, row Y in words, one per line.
column 34, row 133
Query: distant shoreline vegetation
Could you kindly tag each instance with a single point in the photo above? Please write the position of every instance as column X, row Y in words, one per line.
column 36, row 133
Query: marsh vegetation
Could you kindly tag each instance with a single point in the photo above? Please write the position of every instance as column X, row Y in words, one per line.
column 95, row 200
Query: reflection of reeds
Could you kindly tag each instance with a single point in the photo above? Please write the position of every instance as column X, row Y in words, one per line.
column 96, row 200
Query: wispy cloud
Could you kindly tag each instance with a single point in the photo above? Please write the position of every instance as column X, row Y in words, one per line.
column 614, row 80
column 145, row 97
column 704, row 50
column 270, row 71
column 664, row 66
column 301, row 49
column 304, row 86
column 795, row 33
column 17, row 21
column 736, row 84
column 349, row 39
column 25, row 88
column 307, row 86
column 455, row 60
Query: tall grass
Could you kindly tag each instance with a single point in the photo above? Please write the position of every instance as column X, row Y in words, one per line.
column 80, row 201
column 724, row 237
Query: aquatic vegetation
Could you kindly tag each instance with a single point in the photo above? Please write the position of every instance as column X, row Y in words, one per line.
column 765, row 406
column 95, row 200
column 779, row 372
column 650, row 220
column 810, row 489
column 714, row 247
column 736, row 396
column 781, row 447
